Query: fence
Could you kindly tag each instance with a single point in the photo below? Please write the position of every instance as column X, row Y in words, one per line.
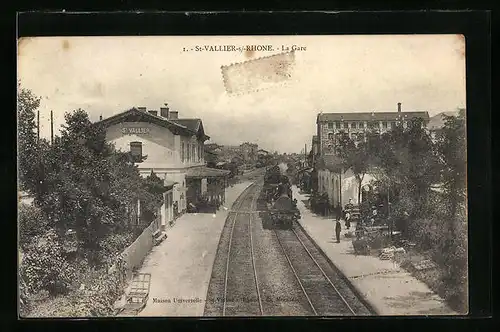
column 134, row 254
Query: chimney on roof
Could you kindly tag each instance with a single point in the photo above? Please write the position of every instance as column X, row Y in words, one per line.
column 164, row 111
column 174, row 115
column 142, row 109
column 153, row 112
column 399, row 107
column 100, row 117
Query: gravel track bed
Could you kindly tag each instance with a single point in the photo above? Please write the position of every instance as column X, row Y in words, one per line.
column 342, row 286
column 215, row 295
column 280, row 292
column 242, row 299
column 322, row 295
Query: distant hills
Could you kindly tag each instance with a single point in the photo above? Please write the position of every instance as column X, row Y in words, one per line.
column 437, row 121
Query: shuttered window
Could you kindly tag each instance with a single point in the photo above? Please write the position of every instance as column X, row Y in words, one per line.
column 136, row 151
column 183, row 156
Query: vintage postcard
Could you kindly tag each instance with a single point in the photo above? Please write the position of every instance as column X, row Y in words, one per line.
column 164, row 176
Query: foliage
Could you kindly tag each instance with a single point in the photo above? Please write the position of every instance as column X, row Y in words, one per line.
column 405, row 161
column 32, row 223
column 451, row 147
column 45, row 267
column 81, row 182
column 27, row 105
column 152, row 197
column 319, row 202
column 114, row 243
column 96, row 298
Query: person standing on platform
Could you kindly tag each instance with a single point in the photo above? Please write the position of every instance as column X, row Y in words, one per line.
column 338, row 227
column 347, row 217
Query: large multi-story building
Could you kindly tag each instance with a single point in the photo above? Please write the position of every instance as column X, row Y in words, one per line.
column 173, row 149
column 341, row 184
column 330, row 126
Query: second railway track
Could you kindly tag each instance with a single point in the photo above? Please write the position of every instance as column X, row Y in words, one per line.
column 238, row 294
column 326, row 292
column 273, row 273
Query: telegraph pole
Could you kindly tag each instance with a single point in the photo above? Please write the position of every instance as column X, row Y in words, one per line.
column 51, row 127
column 305, row 155
column 37, row 127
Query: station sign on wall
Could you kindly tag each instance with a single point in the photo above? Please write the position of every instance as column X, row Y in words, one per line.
column 135, row 130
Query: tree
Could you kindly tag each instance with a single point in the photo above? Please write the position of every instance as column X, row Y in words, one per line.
column 152, row 197
column 83, row 183
column 407, row 162
column 27, row 105
column 355, row 156
column 451, row 147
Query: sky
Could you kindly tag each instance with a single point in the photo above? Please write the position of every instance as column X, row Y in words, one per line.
column 109, row 75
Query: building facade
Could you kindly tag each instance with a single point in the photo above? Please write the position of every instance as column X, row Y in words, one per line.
column 173, row 149
column 340, row 184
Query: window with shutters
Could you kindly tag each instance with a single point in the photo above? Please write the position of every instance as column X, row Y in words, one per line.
column 188, row 148
column 330, row 125
column 183, row 156
column 136, row 151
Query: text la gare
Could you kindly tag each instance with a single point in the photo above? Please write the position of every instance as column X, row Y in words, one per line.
column 288, row 48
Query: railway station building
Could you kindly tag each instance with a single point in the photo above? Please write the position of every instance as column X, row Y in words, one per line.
column 174, row 151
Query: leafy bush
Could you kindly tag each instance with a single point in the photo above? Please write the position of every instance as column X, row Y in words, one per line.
column 428, row 233
column 98, row 299
column 115, row 243
column 32, row 223
column 455, row 279
column 45, row 267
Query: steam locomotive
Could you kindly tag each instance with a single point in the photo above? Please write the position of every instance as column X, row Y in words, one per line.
column 280, row 203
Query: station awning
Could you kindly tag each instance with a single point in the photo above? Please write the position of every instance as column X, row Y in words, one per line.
column 169, row 184
column 205, row 172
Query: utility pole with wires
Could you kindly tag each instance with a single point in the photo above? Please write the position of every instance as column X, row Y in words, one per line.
column 305, row 155
column 38, row 127
column 51, row 127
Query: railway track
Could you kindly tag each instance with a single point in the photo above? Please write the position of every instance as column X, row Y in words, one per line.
column 326, row 292
column 281, row 272
column 240, row 291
